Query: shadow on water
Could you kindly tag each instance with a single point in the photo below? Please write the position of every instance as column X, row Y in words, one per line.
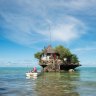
column 58, row 84
column 3, row 91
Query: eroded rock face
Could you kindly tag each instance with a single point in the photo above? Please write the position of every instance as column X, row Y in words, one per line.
column 51, row 65
column 56, row 65
column 52, row 68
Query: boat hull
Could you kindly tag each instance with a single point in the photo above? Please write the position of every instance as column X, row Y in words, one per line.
column 29, row 74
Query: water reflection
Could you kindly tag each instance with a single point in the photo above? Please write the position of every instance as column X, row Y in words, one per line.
column 34, row 78
column 57, row 84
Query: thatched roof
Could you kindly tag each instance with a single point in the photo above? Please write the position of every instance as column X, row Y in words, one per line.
column 49, row 49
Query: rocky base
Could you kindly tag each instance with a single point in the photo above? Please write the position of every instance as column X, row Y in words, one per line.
column 60, row 68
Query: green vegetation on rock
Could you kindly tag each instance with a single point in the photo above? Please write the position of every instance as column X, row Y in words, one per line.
column 65, row 55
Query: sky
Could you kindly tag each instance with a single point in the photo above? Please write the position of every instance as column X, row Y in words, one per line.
column 25, row 27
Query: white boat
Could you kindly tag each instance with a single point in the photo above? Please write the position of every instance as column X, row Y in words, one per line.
column 31, row 74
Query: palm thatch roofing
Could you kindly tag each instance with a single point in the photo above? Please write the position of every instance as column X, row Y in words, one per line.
column 49, row 49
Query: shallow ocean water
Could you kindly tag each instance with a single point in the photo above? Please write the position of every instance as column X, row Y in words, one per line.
column 82, row 82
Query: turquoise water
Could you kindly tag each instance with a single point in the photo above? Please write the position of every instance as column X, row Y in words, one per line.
column 82, row 82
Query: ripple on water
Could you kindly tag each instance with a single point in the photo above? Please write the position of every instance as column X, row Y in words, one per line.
column 79, row 83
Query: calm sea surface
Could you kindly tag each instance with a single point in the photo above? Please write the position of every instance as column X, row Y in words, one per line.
column 82, row 82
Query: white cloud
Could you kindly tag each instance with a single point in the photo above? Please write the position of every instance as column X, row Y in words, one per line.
column 68, row 29
column 86, row 55
column 27, row 22
column 25, row 30
column 18, row 63
column 80, row 4
column 85, row 49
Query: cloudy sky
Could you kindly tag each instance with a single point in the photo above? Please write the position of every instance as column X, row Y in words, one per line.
column 25, row 27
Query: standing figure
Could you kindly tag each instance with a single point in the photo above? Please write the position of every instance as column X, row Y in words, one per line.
column 34, row 69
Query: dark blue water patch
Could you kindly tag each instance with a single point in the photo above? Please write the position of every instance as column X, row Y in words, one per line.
column 3, row 89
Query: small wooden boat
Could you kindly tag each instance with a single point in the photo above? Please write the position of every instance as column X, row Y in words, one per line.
column 31, row 74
